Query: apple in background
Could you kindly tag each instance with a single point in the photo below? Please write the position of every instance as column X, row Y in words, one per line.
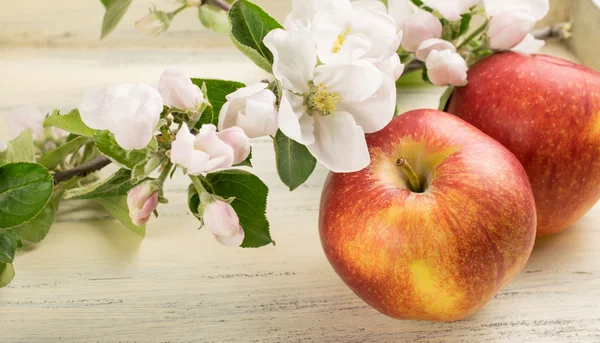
column 546, row 111
column 436, row 225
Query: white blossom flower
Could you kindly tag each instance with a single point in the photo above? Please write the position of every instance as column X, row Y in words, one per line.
column 446, row 68
column 220, row 218
column 419, row 27
column 252, row 109
column 142, row 201
column 433, row 44
column 451, row 9
column 536, row 8
column 509, row 28
column 400, row 10
column 25, row 117
column 303, row 11
column 153, row 24
column 177, row 90
column 346, row 36
column 329, row 108
column 130, row 111
column 369, row 5
column 209, row 150
column 512, row 20
column 529, row 45
column 238, row 141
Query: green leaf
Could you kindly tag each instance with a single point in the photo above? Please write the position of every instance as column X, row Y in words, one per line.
column 117, row 185
column 115, row 10
column 249, row 26
column 445, row 98
column 52, row 158
column 25, row 188
column 294, row 162
column 9, row 243
column 36, row 229
column 7, row 273
column 70, row 122
column 465, row 23
column 216, row 91
column 213, row 18
column 144, row 168
column 193, row 199
column 107, row 145
column 117, row 207
column 250, row 203
column 20, row 149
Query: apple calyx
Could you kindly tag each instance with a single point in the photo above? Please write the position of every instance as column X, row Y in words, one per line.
column 413, row 178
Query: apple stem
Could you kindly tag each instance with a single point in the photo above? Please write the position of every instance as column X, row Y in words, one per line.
column 412, row 177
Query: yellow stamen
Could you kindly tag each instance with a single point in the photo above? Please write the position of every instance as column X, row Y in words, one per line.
column 323, row 101
column 339, row 42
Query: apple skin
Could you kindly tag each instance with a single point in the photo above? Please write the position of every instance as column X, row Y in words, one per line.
column 547, row 112
column 438, row 255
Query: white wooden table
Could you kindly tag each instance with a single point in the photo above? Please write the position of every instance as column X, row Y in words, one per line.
column 92, row 280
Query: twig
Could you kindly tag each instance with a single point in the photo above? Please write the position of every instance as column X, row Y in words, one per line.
column 558, row 30
column 83, row 170
column 224, row 5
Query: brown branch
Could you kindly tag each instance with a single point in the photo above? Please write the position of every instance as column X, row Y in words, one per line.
column 83, row 170
column 558, row 30
column 222, row 4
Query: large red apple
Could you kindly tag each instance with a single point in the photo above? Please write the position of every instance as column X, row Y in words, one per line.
column 439, row 250
column 547, row 112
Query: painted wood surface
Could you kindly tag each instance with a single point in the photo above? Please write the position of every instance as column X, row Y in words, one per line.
column 91, row 280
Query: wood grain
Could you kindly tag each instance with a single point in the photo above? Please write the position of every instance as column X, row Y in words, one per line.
column 91, row 280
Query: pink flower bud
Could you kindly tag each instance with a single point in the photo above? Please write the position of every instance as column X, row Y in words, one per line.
column 238, row 141
column 433, row 44
column 142, row 201
column 419, row 27
column 446, row 68
column 177, row 90
column 509, row 28
column 220, row 218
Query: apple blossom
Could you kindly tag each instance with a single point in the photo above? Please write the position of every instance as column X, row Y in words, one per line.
column 209, row 150
column 303, row 11
column 446, row 68
column 252, row 109
column 346, row 36
column 129, row 111
column 419, row 27
column 25, row 117
column 220, row 218
column 451, row 9
column 153, row 24
column 369, row 5
column 142, row 201
column 400, row 11
column 433, row 44
column 238, row 141
column 329, row 108
column 509, row 28
column 529, row 45
column 177, row 90
column 536, row 8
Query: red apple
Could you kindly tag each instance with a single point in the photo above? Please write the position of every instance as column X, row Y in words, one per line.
column 439, row 250
column 546, row 111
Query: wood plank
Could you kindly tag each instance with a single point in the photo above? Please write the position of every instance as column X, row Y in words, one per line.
column 91, row 280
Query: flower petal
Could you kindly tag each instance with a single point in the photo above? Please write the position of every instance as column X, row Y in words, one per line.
column 529, row 45
column 233, row 241
column 294, row 58
column 177, row 90
column 400, row 10
column 293, row 119
column 354, row 82
column 94, row 105
column 418, row 28
column 509, row 28
column 451, row 9
column 376, row 112
column 536, row 8
column 433, row 44
column 339, row 144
